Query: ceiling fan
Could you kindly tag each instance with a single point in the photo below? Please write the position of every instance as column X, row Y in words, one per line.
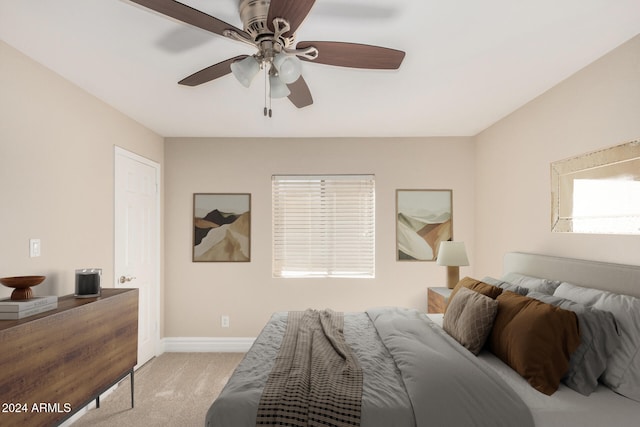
column 270, row 26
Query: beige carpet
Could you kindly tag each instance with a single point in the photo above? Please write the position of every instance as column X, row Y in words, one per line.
column 174, row 389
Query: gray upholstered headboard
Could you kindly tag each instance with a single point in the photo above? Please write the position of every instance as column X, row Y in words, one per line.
column 618, row 278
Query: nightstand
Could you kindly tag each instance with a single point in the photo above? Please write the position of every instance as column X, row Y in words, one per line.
column 437, row 299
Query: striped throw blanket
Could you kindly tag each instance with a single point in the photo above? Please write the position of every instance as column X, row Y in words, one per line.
column 316, row 379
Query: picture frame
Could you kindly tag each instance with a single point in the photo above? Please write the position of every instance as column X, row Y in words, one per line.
column 221, row 227
column 424, row 218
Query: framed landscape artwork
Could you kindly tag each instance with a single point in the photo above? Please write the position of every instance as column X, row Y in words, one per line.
column 221, row 227
column 424, row 218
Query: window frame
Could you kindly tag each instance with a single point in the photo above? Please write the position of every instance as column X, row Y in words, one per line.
column 331, row 226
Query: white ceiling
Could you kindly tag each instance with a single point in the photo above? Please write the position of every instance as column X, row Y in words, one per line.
column 468, row 63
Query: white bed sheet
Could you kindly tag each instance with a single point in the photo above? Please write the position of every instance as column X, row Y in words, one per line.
column 566, row 408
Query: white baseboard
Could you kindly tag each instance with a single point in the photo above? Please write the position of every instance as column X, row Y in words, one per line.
column 206, row 345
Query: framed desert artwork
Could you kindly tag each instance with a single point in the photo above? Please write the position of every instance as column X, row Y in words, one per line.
column 221, row 227
column 423, row 220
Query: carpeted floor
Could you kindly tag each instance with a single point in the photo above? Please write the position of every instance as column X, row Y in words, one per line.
column 174, row 389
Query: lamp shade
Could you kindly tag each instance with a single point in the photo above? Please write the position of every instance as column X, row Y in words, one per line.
column 288, row 67
column 452, row 254
column 277, row 88
column 245, row 70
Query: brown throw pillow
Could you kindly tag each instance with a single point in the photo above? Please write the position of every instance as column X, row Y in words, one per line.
column 534, row 338
column 475, row 285
column 469, row 319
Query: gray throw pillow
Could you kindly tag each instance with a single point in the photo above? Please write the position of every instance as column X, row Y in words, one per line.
column 516, row 289
column 535, row 284
column 623, row 367
column 598, row 340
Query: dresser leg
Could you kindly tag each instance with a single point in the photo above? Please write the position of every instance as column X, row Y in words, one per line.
column 132, row 388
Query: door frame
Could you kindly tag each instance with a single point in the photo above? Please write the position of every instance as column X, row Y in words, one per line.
column 157, row 252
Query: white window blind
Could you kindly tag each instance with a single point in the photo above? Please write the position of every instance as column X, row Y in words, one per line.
column 323, row 226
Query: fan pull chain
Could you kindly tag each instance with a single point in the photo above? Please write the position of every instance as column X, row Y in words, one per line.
column 267, row 95
column 265, row 91
column 270, row 111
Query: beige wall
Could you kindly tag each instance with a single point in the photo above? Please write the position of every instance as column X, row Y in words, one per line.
column 56, row 183
column 595, row 108
column 56, row 174
column 198, row 293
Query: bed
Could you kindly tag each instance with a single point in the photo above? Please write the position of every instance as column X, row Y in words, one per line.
column 415, row 373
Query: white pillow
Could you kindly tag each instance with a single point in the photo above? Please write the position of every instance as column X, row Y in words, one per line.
column 623, row 367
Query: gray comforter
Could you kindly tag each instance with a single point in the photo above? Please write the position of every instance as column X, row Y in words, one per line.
column 414, row 375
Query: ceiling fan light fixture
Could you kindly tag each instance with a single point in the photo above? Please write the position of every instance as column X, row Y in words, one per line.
column 277, row 88
column 271, row 26
column 288, row 66
column 245, row 70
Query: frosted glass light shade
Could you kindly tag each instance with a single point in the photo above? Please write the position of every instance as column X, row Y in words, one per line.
column 245, row 70
column 277, row 88
column 288, row 67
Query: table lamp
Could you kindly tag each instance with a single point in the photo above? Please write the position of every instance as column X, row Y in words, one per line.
column 453, row 255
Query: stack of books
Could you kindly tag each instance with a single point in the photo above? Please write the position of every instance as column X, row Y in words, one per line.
column 12, row 310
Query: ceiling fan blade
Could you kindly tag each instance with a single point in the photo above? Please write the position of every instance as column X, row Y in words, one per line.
column 355, row 55
column 211, row 73
column 294, row 11
column 192, row 16
column 300, row 94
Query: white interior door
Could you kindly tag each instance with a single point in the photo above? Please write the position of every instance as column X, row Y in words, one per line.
column 137, row 253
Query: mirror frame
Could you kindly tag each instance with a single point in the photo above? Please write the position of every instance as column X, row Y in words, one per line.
column 591, row 165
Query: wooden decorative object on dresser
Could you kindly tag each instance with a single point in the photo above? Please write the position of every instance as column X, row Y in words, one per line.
column 437, row 299
column 55, row 363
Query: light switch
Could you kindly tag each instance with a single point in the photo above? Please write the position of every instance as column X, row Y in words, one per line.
column 34, row 247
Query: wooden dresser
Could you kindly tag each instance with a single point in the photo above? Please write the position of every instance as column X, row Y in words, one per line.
column 55, row 363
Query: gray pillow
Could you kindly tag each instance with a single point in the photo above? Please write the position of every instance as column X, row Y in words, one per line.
column 623, row 367
column 469, row 318
column 506, row 286
column 599, row 338
column 536, row 284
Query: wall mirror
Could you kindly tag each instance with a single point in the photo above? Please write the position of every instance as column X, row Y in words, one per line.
column 597, row 192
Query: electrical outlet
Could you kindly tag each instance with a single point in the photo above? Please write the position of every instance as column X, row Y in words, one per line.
column 224, row 321
column 34, row 248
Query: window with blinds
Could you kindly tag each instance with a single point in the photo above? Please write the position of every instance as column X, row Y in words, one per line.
column 323, row 226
